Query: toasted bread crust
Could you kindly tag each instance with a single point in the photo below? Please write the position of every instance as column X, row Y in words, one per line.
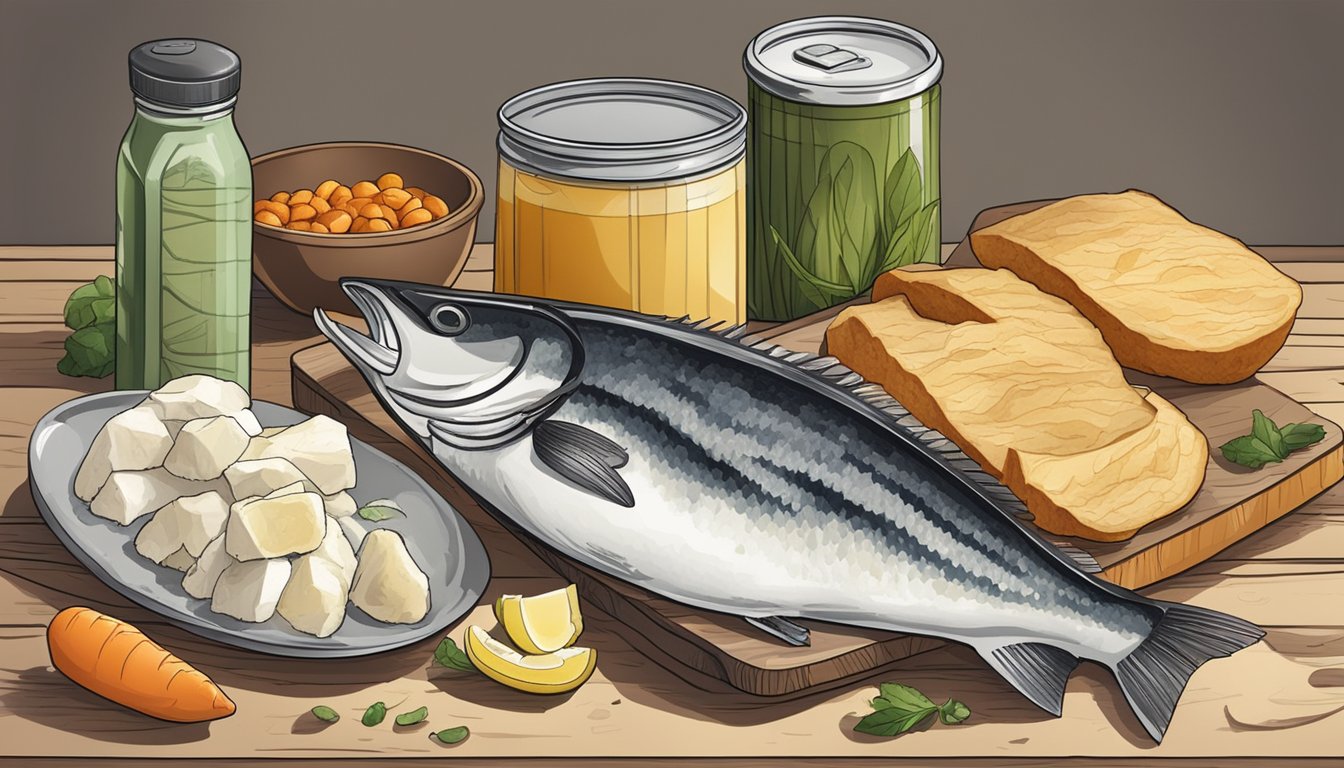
column 1170, row 297
column 1027, row 387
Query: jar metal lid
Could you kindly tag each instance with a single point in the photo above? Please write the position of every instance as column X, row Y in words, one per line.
column 843, row 61
column 626, row 130
column 186, row 73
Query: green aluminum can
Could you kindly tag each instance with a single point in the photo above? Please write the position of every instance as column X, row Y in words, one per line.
column 842, row 160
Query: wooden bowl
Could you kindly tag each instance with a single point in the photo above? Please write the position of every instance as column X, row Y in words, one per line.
column 302, row 269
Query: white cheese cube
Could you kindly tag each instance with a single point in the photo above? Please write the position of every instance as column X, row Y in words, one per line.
column 205, row 448
column 133, row 439
column 188, row 523
column 320, row 448
column 179, row 561
column 302, row 486
column 250, row 591
column 340, row 505
column 353, row 529
column 198, row 397
column 201, row 577
column 259, row 529
column 315, row 597
column 258, row 477
column 335, row 549
column 388, row 585
column 130, row 494
column 247, row 420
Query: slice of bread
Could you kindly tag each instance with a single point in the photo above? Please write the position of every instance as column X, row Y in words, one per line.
column 1026, row 386
column 1171, row 297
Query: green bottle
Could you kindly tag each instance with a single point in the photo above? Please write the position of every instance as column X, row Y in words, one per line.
column 184, row 232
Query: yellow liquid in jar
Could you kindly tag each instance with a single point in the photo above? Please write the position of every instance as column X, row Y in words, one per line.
column 674, row 249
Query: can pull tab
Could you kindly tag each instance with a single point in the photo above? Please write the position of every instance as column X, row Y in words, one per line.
column 830, row 58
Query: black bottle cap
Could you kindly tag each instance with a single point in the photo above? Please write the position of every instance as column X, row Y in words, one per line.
column 181, row 72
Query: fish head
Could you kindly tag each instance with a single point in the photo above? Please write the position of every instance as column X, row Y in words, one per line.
column 473, row 370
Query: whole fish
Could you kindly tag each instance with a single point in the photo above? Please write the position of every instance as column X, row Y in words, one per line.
column 754, row 481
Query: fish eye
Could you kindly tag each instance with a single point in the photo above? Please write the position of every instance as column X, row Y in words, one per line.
column 449, row 319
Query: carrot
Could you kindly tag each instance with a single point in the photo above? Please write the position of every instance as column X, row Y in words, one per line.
column 116, row 661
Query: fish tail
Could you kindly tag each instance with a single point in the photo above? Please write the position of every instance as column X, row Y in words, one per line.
column 1153, row 675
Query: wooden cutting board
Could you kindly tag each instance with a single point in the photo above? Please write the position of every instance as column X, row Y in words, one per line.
column 1232, row 504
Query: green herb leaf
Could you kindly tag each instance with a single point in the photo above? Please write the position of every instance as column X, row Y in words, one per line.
column 905, row 696
column 413, row 717
column 450, row 656
column 1248, row 451
column 809, row 279
column 904, row 190
column 374, row 714
column 326, row 714
column 90, row 351
column 893, row 721
column 900, row 708
column 451, row 735
column 953, row 712
column 1266, row 431
column 380, row 510
column 91, row 303
column 1299, row 436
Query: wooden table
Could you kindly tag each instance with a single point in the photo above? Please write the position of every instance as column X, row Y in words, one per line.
column 1289, row 579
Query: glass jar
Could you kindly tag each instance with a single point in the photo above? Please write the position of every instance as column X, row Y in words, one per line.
column 625, row 193
column 843, row 158
column 184, row 233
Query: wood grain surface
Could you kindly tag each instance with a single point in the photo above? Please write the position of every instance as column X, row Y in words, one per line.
column 1288, row 577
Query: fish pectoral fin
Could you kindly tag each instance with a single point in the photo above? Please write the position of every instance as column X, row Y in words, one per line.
column 562, row 434
column 782, row 628
column 1038, row 671
column 584, row 458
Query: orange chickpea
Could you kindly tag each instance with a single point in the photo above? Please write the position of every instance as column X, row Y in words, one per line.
column 266, row 217
column 411, row 205
column 325, row 189
column 396, row 197
column 318, row 228
column 301, row 212
column 416, row 217
column 299, row 226
column 365, row 189
column 361, row 224
column 379, row 225
column 435, row 206
column 341, row 195
column 319, row 205
column 389, row 180
column 336, row 221
column 416, row 192
column 300, row 197
column 280, row 197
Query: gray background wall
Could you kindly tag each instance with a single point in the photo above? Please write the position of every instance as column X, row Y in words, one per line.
column 1233, row 111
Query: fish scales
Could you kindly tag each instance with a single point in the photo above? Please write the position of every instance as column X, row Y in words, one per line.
column 754, row 481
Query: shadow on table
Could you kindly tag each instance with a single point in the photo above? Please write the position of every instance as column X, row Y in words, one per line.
column 46, row 697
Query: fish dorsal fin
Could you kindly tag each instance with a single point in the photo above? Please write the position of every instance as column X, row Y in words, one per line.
column 832, row 372
column 584, row 458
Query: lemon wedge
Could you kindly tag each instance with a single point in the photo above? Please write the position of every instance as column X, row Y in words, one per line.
column 558, row 672
column 542, row 623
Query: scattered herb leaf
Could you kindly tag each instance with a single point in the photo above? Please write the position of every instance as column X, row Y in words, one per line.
column 380, row 510
column 90, row 312
column 326, row 714
column 451, row 735
column 374, row 714
column 450, row 656
column 953, row 712
column 413, row 717
column 1299, row 436
column 1269, row 443
column 900, row 708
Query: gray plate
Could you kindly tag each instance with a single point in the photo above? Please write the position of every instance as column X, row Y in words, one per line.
column 441, row 542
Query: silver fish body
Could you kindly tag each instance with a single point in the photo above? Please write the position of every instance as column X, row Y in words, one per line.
column 755, row 482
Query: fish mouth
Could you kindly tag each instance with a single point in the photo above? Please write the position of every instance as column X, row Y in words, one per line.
column 380, row 351
column 475, row 388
